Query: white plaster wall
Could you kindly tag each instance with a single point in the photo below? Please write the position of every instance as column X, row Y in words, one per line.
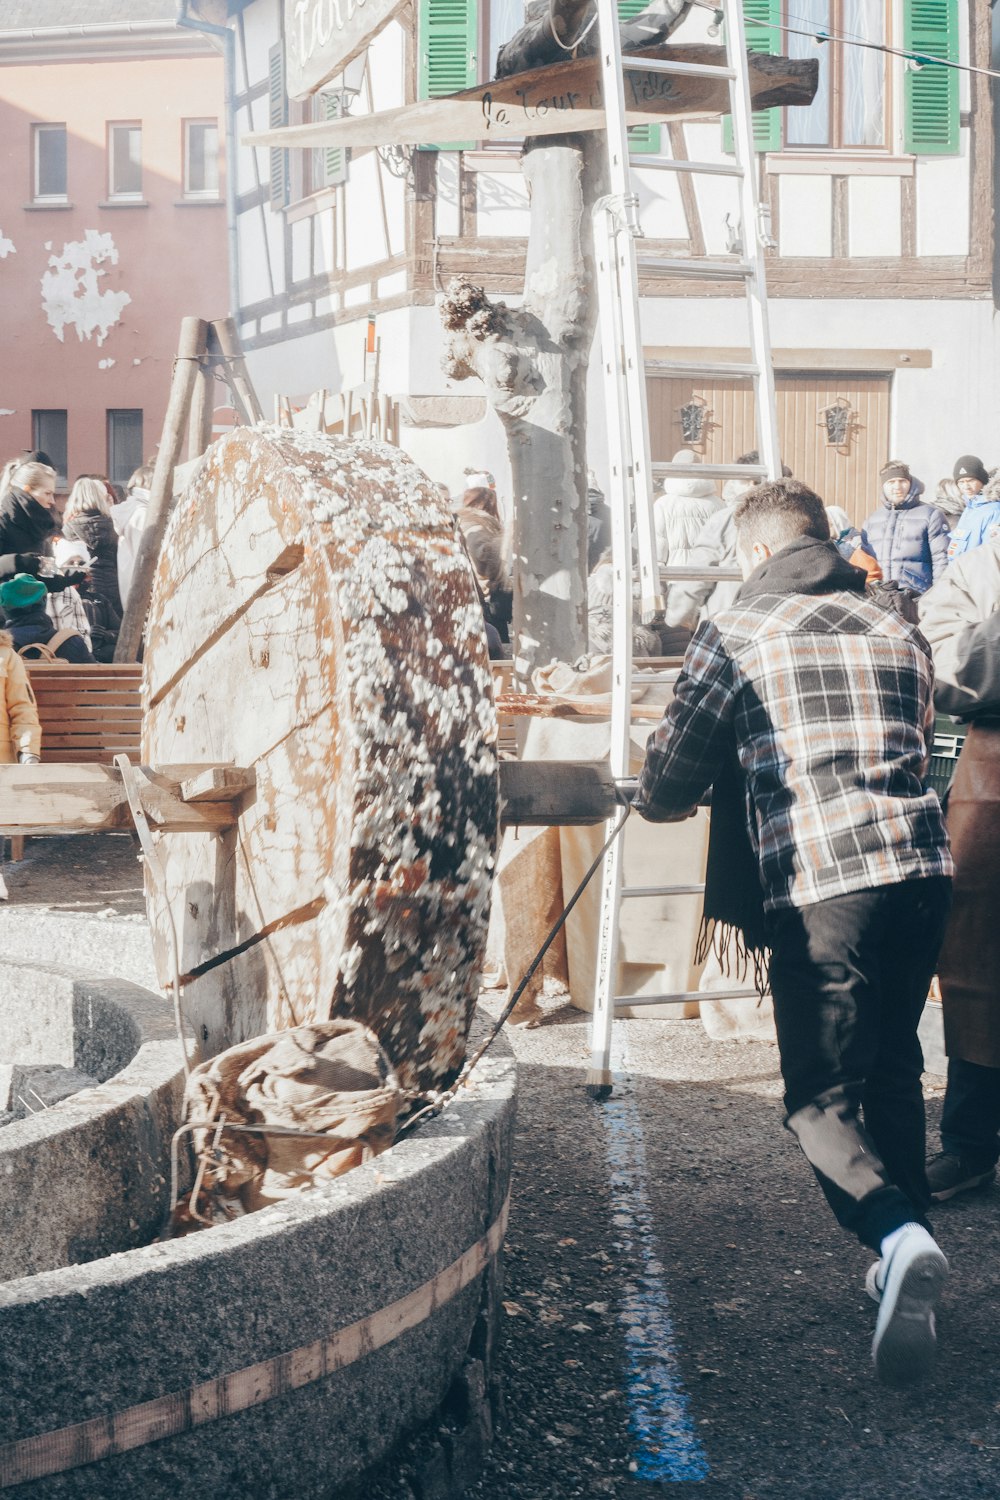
column 716, row 196
column 874, row 216
column 661, row 212
column 805, row 215
column 943, row 203
column 447, row 219
column 502, row 203
column 262, row 25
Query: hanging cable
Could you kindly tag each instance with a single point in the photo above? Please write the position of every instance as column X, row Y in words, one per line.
column 847, row 39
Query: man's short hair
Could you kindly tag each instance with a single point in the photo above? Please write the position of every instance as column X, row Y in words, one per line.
column 779, row 512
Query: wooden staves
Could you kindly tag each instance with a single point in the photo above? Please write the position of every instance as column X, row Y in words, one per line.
column 314, row 619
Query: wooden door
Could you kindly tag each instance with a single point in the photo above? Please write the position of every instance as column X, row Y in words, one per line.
column 842, row 466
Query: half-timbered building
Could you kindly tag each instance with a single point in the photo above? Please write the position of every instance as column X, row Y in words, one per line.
column 880, row 200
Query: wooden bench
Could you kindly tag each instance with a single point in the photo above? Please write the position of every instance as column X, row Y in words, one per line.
column 89, row 714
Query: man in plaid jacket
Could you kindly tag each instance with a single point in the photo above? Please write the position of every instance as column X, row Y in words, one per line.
column 825, row 700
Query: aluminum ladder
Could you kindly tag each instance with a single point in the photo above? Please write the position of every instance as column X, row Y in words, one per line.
column 616, row 231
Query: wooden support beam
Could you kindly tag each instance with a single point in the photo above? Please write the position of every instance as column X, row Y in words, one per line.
column 556, row 793
column 91, row 798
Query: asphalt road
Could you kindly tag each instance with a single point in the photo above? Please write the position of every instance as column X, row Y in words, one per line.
column 684, row 1317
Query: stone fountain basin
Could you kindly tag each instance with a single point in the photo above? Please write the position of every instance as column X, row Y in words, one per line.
column 88, row 1176
column 280, row 1355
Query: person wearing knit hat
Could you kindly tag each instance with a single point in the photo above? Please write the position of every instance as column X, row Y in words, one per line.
column 980, row 520
column 907, row 538
column 22, row 599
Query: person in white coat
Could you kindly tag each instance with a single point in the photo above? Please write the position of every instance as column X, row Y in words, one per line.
column 680, row 512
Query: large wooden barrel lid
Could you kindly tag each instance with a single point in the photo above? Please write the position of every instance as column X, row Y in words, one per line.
column 314, row 617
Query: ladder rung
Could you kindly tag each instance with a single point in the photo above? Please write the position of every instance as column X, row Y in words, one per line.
column 701, row 168
column 696, row 369
column 641, row 891
column 713, row 471
column 701, row 270
column 633, row 64
column 701, row 575
column 685, row 997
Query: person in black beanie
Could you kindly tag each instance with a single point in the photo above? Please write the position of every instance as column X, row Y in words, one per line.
column 907, row 538
column 980, row 520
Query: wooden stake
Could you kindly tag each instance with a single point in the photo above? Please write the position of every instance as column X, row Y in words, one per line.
column 202, row 412
column 191, row 349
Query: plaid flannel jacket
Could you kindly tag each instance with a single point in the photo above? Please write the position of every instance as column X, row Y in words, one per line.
column 829, row 698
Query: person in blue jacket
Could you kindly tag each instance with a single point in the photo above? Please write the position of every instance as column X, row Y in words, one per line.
column 981, row 517
column 907, row 538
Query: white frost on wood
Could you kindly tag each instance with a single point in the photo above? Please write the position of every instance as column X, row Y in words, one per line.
column 71, row 288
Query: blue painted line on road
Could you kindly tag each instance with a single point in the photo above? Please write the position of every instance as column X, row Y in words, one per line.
column 667, row 1447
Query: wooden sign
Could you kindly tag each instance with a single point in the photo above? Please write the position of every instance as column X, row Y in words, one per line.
column 323, row 36
column 562, row 98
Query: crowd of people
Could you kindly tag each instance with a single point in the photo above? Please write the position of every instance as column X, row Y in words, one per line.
column 906, row 543
column 65, row 577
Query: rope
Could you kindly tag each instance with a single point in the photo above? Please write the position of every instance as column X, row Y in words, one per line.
column 584, row 33
column 438, row 1103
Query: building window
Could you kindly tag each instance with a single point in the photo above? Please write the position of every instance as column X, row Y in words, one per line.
column 201, row 159
column 124, row 443
column 125, row 162
column 48, row 435
column 49, row 150
column 849, row 111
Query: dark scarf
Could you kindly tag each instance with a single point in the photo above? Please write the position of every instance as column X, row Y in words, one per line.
column 733, row 915
column 18, row 505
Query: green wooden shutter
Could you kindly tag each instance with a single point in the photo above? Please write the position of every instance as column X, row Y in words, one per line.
column 930, row 97
column 334, row 157
column 643, row 140
column 277, row 116
column 761, row 38
column 447, row 52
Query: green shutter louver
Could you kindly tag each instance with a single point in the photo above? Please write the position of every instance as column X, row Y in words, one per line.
column 930, row 96
column 334, row 157
column 643, row 140
column 760, row 38
column 447, row 52
column 277, row 115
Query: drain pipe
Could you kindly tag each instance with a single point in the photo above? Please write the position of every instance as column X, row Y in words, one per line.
column 228, row 40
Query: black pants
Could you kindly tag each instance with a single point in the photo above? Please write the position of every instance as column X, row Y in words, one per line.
column 849, row 977
column 970, row 1120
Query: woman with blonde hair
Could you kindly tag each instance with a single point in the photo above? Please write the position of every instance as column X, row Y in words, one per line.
column 87, row 519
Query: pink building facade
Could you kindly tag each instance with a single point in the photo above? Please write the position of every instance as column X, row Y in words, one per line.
column 112, row 223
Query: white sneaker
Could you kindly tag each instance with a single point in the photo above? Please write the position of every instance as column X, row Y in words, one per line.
column 905, row 1336
column 873, row 1281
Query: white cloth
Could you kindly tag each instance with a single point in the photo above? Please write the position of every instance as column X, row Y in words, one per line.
column 128, row 547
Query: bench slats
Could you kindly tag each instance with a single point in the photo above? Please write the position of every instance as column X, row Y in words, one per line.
column 89, row 714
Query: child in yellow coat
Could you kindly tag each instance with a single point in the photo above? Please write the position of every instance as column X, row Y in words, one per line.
column 20, row 731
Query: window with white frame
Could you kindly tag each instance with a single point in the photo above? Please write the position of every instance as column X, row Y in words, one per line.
column 125, row 161
column 201, row 159
column 49, row 184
